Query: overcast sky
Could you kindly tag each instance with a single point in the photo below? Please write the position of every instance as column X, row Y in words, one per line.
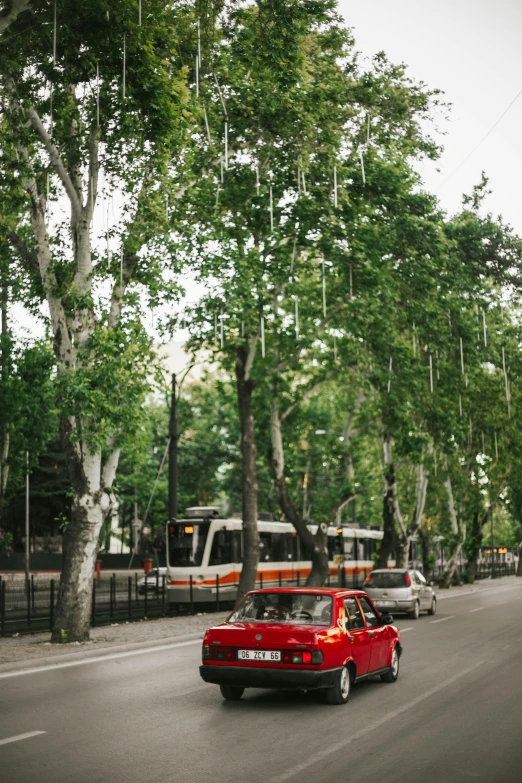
column 472, row 50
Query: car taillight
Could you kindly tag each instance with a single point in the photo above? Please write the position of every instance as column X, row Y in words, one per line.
column 314, row 657
column 219, row 653
column 408, row 580
column 205, row 652
column 368, row 578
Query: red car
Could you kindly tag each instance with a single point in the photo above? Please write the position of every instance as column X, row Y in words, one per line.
column 303, row 638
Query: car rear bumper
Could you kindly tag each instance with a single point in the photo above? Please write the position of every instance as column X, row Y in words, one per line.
column 398, row 606
column 254, row 677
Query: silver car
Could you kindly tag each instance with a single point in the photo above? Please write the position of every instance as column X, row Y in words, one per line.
column 400, row 591
column 152, row 581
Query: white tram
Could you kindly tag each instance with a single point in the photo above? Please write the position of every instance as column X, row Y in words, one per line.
column 204, row 556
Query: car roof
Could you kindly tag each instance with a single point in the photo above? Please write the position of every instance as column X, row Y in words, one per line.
column 390, row 570
column 333, row 591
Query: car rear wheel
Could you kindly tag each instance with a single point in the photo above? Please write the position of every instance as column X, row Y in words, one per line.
column 340, row 691
column 393, row 672
column 231, row 692
column 414, row 614
column 433, row 607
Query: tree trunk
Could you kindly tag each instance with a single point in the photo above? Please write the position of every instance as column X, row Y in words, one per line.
column 425, row 548
column 248, row 477
column 80, row 550
column 316, row 545
column 403, row 551
column 389, row 538
column 451, row 566
column 4, row 420
column 474, row 548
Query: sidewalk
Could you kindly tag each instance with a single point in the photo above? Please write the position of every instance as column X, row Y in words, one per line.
column 23, row 652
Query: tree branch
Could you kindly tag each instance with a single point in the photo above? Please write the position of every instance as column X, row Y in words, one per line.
column 56, row 161
column 251, row 355
column 339, row 506
column 29, row 259
column 17, row 8
column 309, row 393
column 94, row 169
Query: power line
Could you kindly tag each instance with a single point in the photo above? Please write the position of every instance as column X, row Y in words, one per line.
column 483, row 139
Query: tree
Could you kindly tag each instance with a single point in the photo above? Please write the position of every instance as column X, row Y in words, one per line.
column 269, row 218
column 81, row 126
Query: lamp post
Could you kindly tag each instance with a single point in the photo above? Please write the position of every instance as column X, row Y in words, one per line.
column 27, row 547
column 173, row 455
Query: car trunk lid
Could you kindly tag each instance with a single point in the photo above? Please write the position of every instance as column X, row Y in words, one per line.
column 269, row 636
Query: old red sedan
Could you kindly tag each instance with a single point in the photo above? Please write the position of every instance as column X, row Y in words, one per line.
column 301, row 638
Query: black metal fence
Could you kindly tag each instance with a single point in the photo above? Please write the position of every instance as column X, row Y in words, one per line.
column 29, row 605
column 485, row 570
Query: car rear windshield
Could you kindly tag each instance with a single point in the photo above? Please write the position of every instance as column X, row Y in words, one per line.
column 386, row 579
column 289, row 608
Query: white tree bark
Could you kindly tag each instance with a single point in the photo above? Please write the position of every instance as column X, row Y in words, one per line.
column 17, row 7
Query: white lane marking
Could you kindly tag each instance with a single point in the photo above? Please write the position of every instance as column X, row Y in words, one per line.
column 19, row 737
column 500, row 603
column 456, row 595
column 480, row 608
column 506, row 646
column 403, row 630
column 481, row 590
column 443, row 619
column 322, row 754
column 100, row 658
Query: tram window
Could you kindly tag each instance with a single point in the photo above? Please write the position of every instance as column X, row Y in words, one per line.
column 237, row 549
column 221, row 551
column 279, row 547
column 368, row 548
column 265, row 552
column 187, row 543
column 348, row 548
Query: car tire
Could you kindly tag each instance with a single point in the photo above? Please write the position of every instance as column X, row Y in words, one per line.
column 433, row 607
column 231, row 692
column 340, row 691
column 414, row 614
column 393, row 672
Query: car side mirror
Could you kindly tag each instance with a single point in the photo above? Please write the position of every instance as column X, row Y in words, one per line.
column 387, row 618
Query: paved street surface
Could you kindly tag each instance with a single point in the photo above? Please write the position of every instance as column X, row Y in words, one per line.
column 455, row 714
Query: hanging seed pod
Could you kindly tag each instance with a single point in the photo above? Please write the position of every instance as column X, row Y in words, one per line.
column 324, row 288
column 362, row 165
column 124, row 64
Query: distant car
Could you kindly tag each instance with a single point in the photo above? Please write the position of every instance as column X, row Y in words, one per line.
column 400, row 590
column 304, row 639
column 152, row 581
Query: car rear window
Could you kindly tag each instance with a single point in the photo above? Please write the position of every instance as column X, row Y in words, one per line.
column 288, row 608
column 386, row 579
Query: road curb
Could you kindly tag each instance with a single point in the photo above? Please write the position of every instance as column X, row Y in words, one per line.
column 92, row 651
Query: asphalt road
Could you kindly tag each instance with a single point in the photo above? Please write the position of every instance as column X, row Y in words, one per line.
column 455, row 714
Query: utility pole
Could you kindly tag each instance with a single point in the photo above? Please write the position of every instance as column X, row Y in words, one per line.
column 27, row 549
column 173, row 455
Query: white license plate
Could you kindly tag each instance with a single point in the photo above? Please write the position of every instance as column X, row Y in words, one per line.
column 258, row 655
column 386, row 603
